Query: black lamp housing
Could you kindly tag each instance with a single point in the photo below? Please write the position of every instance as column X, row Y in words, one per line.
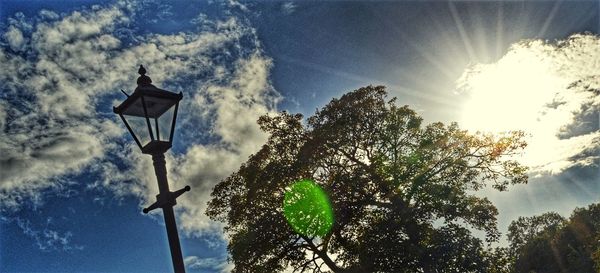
column 149, row 102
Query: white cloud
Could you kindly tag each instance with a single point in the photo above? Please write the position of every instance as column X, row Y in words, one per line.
column 211, row 263
column 48, row 14
column 235, row 108
column 49, row 104
column 15, row 38
column 47, row 239
column 549, row 90
column 2, row 117
column 288, row 7
column 237, row 4
column 58, row 120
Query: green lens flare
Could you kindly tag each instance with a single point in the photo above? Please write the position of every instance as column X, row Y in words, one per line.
column 307, row 209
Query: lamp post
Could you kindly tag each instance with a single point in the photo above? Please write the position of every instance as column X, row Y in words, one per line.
column 146, row 112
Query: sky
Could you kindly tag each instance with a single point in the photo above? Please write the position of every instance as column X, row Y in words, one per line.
column 73, row 183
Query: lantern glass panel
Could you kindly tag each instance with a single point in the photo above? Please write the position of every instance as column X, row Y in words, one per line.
column 164, row 124
column 154, row 105
column 140, row 128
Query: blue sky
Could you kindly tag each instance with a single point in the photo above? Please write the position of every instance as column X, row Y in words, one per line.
column 72, row 185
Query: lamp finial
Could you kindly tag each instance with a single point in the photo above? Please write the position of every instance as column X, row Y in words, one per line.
column 142, row 70
column 143, row 79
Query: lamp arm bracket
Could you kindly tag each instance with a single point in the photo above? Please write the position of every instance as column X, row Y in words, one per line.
column 163, row 200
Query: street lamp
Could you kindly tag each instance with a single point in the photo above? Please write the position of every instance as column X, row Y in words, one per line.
column 150, row 114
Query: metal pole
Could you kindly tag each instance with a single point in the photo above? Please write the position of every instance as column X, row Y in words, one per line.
column 168, row 201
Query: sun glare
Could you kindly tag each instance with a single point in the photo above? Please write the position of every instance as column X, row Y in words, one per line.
column 510, row 94
column 522, row 91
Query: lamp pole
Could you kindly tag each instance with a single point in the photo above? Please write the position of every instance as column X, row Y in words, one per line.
column 149, row 102
column 166, row 200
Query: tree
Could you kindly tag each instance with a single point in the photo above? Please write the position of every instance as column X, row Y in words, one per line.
column 403, row 194
column 549, row 243
column 499, row 260
column 530, row 239
column 524, row 229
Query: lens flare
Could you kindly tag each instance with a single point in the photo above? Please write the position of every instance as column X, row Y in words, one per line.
column 307, row 209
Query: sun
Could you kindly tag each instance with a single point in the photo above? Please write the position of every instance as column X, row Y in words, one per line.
column 521, row 91
column 512, row 94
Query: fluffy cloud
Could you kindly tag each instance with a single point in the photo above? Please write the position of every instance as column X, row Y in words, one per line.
column 14, row 37
column 549, row 90
column 236, row 107
column 50, row 94
column 61, row 88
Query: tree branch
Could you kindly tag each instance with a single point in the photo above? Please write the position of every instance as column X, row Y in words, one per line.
column 323, row 255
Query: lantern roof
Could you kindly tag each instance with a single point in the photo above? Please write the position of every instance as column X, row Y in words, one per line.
column 157, row 101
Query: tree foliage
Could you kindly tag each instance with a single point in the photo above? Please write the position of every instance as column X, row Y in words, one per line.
column 549, row 243
column 403, row 193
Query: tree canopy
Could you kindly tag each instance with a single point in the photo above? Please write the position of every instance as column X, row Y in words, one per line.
column 549, row 243
column 403, row 194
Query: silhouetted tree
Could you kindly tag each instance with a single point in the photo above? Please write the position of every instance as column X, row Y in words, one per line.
column 530, row 239
column 498, row 260
column 524, row 229
column 402, row 193
column 549, row 243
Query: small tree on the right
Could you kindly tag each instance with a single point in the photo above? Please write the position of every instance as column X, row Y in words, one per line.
column 549, row 243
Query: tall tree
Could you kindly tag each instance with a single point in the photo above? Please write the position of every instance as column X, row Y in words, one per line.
column 403, row 194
